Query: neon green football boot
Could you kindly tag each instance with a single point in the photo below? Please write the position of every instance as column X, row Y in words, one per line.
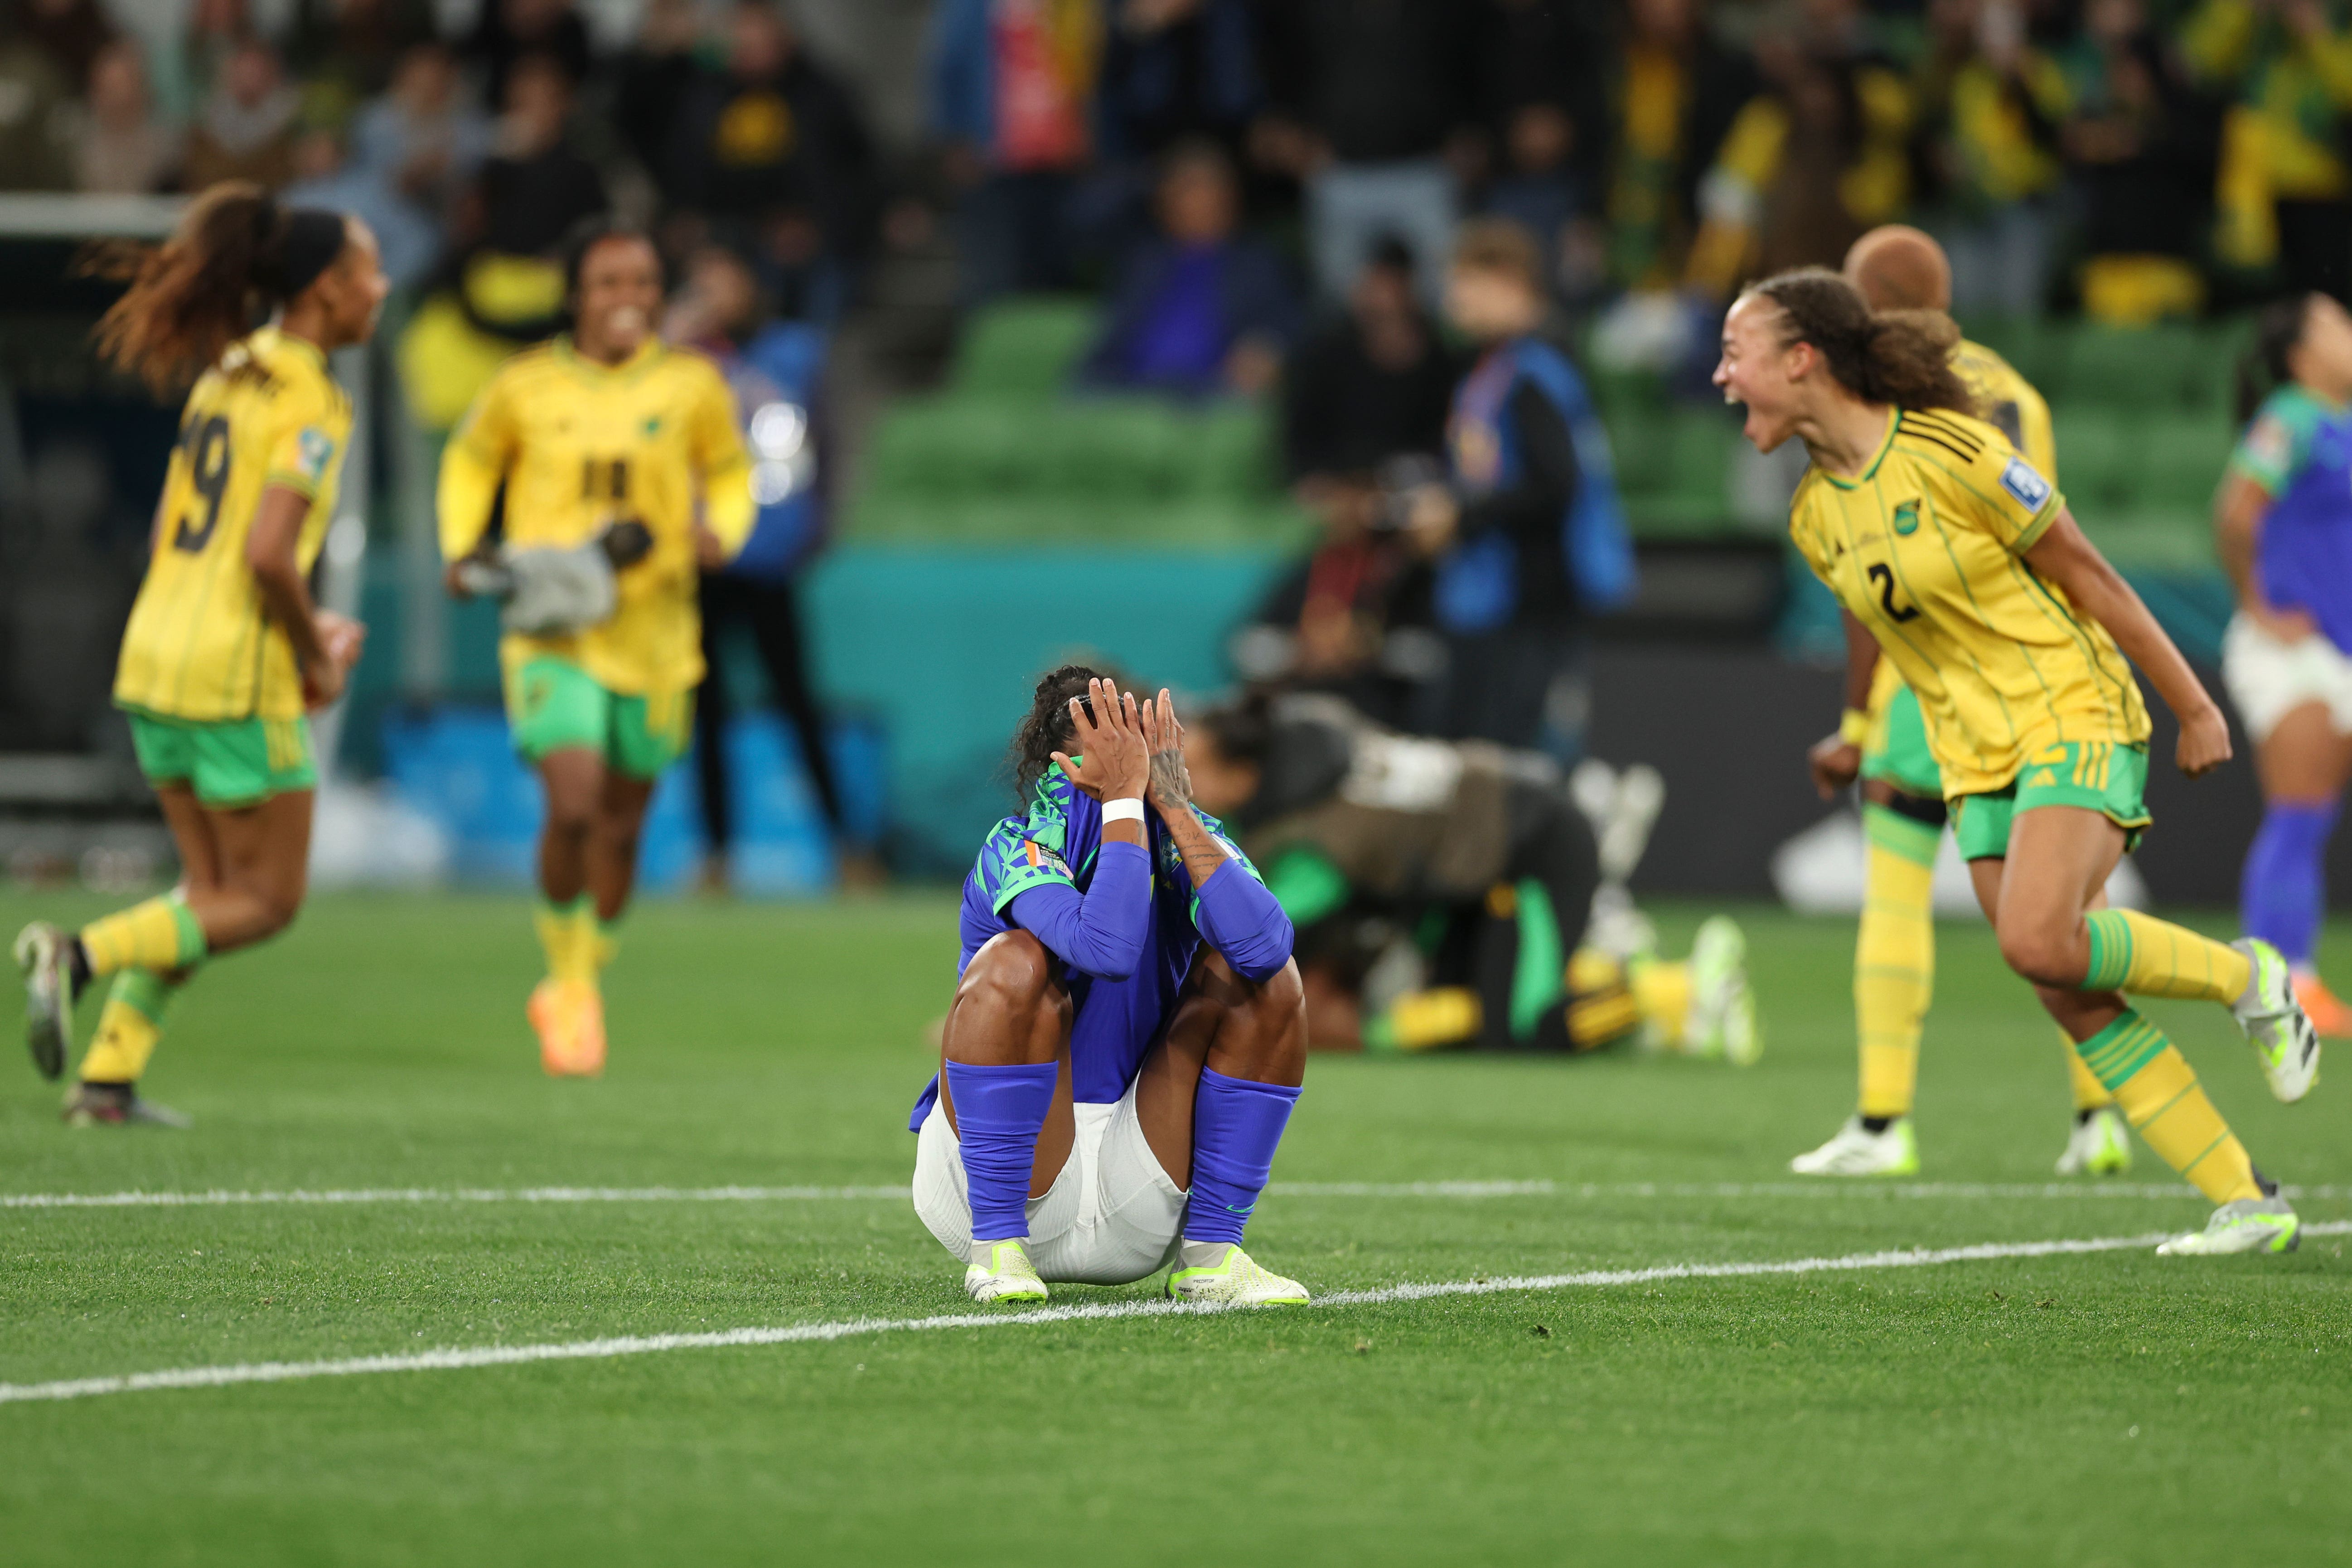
column 1005, row 1275
column 1234, row 1280
column 2248, row 1224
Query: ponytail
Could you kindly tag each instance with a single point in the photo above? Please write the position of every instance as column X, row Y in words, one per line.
column 235, row 256
column 1047, row 729
column 1902, row 357
column 2262, row 369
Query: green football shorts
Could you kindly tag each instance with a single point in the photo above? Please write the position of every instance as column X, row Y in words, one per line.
column 552, row 704
column 227, row 762
column 1896, row 752
column 2097, row 775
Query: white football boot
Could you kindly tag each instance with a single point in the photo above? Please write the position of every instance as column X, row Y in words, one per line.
column 2249, row 1225
column 1234, row 1280
column 2100, row 1145
column 1858, row 1152
column 1003, row 1272
column 2275, row 1025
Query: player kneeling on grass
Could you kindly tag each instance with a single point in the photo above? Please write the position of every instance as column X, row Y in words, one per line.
column 1963, row 563
column 1128, row 1037
column 1479, row 850
column 225, row 653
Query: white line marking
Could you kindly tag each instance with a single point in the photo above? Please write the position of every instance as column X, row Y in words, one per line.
column 1457, row 1190
column 802, row 1333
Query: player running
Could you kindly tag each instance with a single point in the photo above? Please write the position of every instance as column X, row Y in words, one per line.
column 1964, row 564
column 1128, row 1034
column 1898, row 268
column 621, row 475
column 2283, row 523
column 225, row 653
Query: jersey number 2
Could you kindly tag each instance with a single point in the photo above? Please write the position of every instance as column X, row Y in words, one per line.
column 1884, row 576
column 208, row 475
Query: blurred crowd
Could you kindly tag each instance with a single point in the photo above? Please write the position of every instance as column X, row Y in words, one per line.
column 2136, row 158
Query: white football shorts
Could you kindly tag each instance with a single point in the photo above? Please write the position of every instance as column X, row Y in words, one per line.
column 2268, row 678
column 1111, row 1217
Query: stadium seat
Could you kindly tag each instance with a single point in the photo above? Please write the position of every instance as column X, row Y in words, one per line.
column 1024, row 347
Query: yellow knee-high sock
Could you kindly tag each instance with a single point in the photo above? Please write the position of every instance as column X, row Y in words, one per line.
column 160, row 934
column 2161, row 1097
column 2090, row 1094
column 2149, row 957
column 129, row 1026
column 564, row 934
column 1894, row 958
column 1428, row 1020
column 1604, row 1004
column 600, row 936
column 1662, row 992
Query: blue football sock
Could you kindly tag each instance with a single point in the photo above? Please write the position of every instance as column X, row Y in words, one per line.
column 999, row 1112
column 2283, row 892
column 1236, row 1125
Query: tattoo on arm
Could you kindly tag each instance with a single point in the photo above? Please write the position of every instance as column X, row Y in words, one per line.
column 1171, row 786
column 1202, row 854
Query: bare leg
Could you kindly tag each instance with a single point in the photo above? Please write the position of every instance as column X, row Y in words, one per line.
column 1246, row 1029
column 2303, row 761
column 1010, row 1010
column 612, row 858
column 2062, row 856
column 574, row 779
column 261, row 867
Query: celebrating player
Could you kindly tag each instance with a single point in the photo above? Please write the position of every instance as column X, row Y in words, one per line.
column 1129, row 1035
column 1898, row 268
column 2284, row 524
column 1964, row 564
column 224, row 652
column 604, row 444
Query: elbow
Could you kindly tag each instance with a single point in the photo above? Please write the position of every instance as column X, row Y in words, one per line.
column 1113, row 961
column 1263, row 956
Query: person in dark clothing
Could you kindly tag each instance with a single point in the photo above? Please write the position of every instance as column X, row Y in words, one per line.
column 510, row 31
column 651, row 80
column 776, row 370
column 1377, row 92
column 1525, row 536
column 772, row 131
column 536, row 189
column 1200, row 310
column 1364, row 395
column 1176, row 70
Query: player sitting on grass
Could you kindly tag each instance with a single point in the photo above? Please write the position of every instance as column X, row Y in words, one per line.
column 1897, row 267
column 1481, row 846
column 225, row 653
column 1963, row 563
column 1128, row 1036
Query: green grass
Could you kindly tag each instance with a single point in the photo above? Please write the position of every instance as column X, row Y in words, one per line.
column 2114, row 1408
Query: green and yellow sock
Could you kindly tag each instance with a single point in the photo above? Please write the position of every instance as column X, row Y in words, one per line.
column 161, row 935
column 566, row 934
column 1661, row 997
column 2144, row 956
column 129, row 1026
column 2090, row 1094
column 2160, row 1097
column 602, row 937
column 1894, row 958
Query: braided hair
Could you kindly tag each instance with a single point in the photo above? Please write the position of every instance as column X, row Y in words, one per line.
column 1046, row 727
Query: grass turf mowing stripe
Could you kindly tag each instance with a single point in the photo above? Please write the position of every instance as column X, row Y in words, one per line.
column 803, row 1333
column 1462, row 1189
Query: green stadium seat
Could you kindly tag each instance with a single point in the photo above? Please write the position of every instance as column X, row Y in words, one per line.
column 1024, row 347
column 2151, row 368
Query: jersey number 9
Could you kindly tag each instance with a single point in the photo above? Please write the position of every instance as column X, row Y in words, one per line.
column 207, row 445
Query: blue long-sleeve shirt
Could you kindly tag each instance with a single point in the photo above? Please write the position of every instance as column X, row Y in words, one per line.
column 1089, row 911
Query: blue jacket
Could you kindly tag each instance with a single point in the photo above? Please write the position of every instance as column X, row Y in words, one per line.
column 1253, row 297
column 777, row 379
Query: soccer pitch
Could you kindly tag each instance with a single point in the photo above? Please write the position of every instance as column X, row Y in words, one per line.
column 379, row 1172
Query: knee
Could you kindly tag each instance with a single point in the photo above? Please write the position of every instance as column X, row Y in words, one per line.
column 567, row 817
column 2045, row 952
column 1011, row 978
column 1271, row 1015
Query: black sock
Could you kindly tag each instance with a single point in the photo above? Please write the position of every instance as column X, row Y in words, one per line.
column 1875, row 1125
column 76, row 966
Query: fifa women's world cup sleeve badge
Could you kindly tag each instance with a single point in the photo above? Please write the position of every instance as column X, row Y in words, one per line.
column 316, row 450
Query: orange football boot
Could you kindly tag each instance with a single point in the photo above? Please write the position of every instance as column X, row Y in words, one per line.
column 588, row 1035
column 557, row 1012
column 2326, row 1011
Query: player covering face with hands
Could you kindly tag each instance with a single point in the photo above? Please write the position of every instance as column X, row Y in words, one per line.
column 1963, row 562
column 224, row 656
column 1128, row 1036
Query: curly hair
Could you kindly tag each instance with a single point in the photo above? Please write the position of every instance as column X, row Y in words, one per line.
column 1046, row 727
column 1902, row 357
column 2262, row 368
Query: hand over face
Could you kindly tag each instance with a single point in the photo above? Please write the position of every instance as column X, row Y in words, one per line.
column 1171, row 786
column 1114, row 762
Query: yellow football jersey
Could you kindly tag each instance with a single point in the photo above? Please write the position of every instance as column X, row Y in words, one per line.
column 578, row 446
column 2009, row 403
column 200, row 644
column 1926, row 549
column 2011, row 406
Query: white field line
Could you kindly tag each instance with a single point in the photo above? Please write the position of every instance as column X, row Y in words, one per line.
column 453, row 1360
column 1963, row 1191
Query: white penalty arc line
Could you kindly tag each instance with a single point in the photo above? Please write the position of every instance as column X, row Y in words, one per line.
column 455, row 1359
column 1958, row 1190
